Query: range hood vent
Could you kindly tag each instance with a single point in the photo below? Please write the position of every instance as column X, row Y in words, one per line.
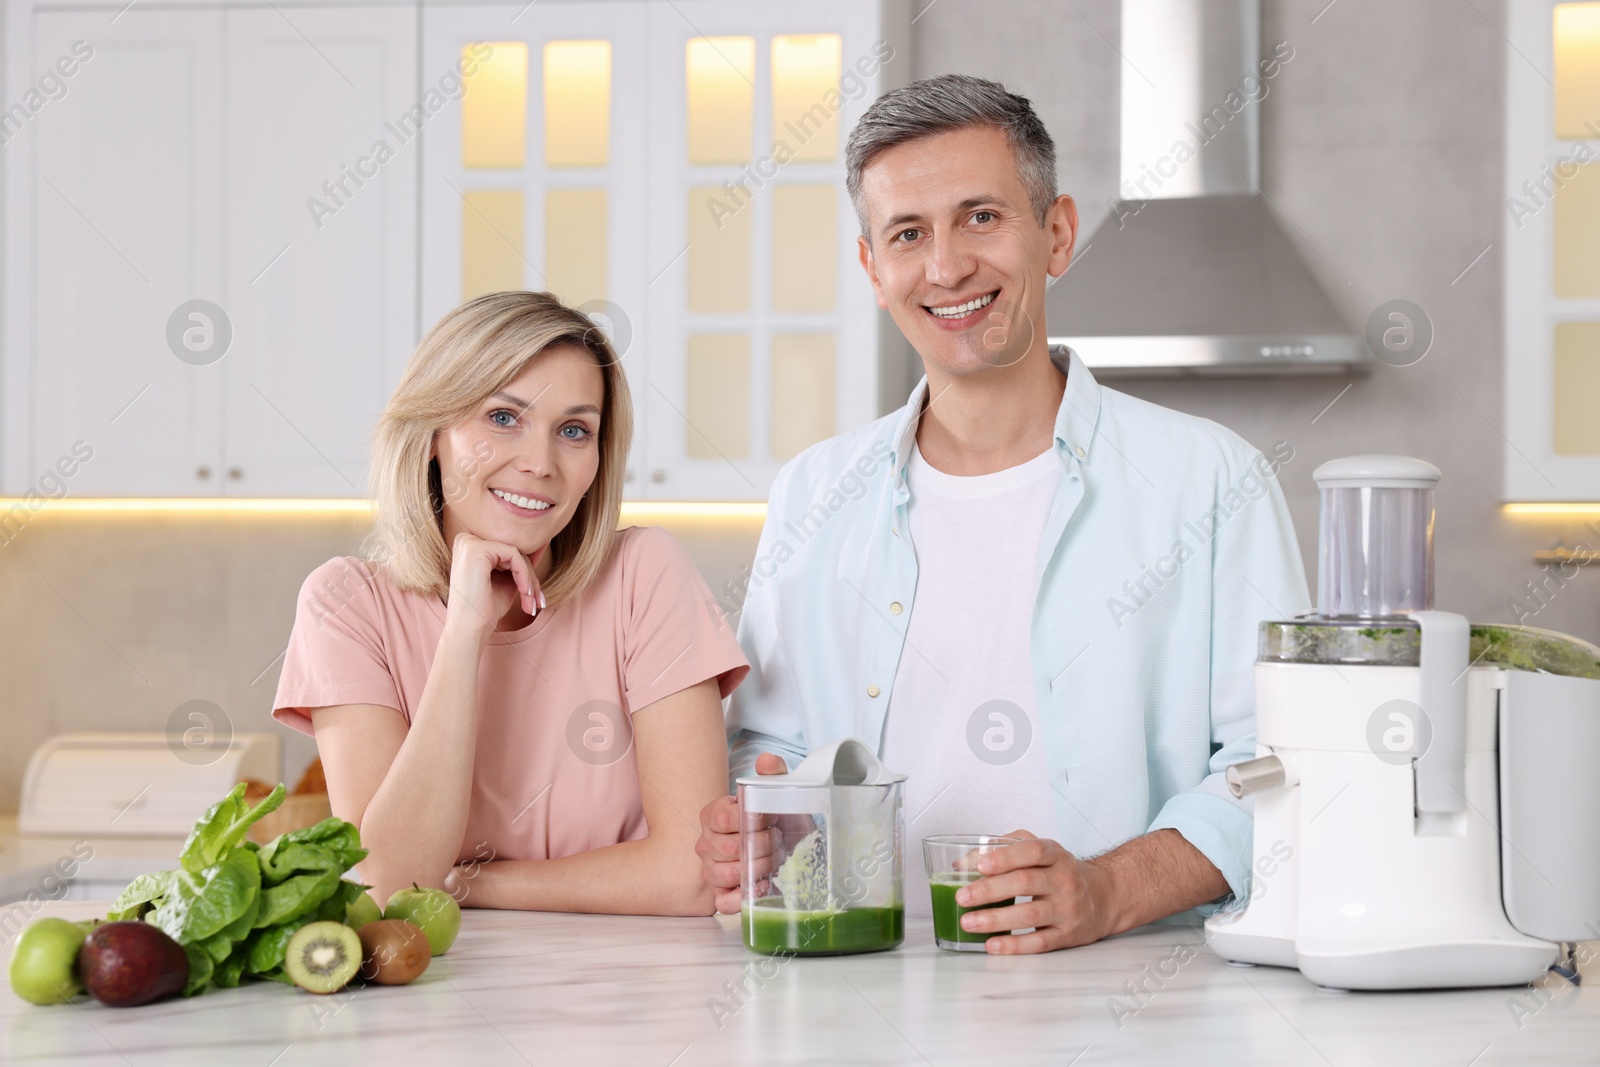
column 1199, row 275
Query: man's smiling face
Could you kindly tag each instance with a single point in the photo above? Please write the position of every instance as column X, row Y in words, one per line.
column 957, row 254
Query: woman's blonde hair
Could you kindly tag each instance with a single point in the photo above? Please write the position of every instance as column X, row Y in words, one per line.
column 469, row 354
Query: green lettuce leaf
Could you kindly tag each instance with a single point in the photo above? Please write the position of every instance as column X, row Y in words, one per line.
column 218, row 946
column 200, row 968
column 298, row 896
column 331, row 844
column 141, row 894
column 229, row 971
column 233, row 904
column 267, row 947
column 240, row 928
column 223, row 827
column 201, row 904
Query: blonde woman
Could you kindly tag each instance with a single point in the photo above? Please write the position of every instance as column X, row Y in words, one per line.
column 511, row 698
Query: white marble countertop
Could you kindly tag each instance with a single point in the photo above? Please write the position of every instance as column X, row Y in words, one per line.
column 528, row 988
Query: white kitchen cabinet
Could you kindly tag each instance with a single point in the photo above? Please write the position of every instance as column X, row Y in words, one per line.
column 752, row 333
column 179, row 165
column 1552, row 251
column 321, row 232
column 536, row 178
column 296, row 166
column 114, row 218
column 764, row 332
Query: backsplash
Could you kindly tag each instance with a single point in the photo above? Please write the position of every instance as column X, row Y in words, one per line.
column 115, row 621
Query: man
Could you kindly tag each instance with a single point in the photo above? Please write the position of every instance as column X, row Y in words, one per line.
column 1043, row 608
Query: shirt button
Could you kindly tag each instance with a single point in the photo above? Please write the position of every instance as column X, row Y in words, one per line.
column 895, row 608
column 1081, row 452
column 873, row 691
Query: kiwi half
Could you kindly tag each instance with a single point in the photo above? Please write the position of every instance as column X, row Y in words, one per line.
column 322, row 957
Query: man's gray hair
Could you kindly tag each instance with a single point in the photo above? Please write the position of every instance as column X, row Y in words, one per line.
column 954, row 102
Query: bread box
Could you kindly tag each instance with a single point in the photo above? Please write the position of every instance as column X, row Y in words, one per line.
column 134, row 784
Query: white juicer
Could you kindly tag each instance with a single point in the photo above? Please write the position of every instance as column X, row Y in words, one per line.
column 1426, row 808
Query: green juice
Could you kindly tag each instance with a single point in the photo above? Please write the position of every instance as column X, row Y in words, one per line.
column 778, row 931
column 947, row 913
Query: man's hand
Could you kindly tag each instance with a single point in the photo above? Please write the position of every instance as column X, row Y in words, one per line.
column 1071, row 902
column 718, row 846
column 1078, row 901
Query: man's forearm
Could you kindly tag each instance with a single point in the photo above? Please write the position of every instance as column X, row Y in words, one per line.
column 1156, row 875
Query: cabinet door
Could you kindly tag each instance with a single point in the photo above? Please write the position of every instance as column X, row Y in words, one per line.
column 1552, row 252
column 321, row 241
column 763, row 328
column 117, row 184
column 533, row 174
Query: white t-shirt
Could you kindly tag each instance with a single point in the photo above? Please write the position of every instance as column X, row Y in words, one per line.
column 962, row 721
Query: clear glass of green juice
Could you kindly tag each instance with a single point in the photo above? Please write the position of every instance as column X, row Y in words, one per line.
column 952, row 861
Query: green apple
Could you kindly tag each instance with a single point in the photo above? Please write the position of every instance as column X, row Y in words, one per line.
column 362, row 910
column 434, row 911
column 44, row 967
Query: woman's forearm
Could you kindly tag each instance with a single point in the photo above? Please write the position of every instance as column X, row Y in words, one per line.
column 645, row 877
column 414, row 825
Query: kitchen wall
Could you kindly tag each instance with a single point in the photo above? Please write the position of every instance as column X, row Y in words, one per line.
column 113, row 622
column 1381, row 142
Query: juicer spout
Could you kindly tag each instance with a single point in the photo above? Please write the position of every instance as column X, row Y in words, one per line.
column 1260, row 775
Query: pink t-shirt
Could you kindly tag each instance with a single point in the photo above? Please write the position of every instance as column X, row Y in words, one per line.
column 554, row 771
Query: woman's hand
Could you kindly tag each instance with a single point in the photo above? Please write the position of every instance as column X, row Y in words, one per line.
column 488, row 578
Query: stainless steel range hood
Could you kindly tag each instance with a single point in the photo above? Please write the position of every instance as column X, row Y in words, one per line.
column 1194, row 272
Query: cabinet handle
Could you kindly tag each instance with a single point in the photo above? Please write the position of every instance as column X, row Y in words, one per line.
column 658, row 475
column 202, row 472
column 235, row 473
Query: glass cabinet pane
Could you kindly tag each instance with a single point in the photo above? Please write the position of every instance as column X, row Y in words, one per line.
column 805, row 247
column 1577, row 48
column 718, row 390
column 1575, row 385
column 494, row 109
column 575, row 244
column 805, row 94
column 719, row 252
column 721, row 75
column 802, row 391
column 1577, row 235
column 491, row 241
column 577, row 103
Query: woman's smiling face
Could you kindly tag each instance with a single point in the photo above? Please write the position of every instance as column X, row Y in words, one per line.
column 515, row 470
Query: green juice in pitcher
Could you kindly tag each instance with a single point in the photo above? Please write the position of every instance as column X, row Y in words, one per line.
column 775, row 930
column 947, row 931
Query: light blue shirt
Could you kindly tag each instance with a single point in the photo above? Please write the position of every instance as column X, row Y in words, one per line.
column 1168, row 542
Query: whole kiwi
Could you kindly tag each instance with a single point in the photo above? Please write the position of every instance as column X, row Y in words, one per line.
column 393, row 952
column 322, row 957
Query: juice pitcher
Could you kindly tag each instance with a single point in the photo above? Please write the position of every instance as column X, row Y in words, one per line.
column 821, row 850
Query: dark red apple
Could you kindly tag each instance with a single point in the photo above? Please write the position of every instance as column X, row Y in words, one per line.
column 126, row 964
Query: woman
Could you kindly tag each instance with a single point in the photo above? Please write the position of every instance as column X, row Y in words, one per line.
column 511, row 698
